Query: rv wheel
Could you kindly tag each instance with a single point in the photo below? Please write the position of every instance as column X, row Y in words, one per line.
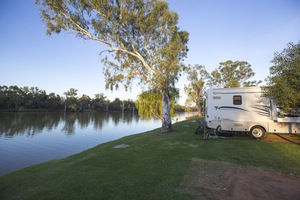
column 257, row 132
column 218, row 130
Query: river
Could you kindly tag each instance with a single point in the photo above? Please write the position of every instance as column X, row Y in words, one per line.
column 31, row 138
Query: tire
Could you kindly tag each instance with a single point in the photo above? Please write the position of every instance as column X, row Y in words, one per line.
column 257, row 132
column 221, row 133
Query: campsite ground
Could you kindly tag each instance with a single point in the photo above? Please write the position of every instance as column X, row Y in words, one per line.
column 179, row 165
column 226, row 181
column 283, row 139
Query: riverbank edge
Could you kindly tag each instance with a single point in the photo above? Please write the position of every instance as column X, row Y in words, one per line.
column 151, row 166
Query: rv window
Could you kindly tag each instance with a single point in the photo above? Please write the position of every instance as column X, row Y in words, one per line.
column 237, row 100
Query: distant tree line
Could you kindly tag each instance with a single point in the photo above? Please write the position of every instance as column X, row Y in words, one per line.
column 14, row 98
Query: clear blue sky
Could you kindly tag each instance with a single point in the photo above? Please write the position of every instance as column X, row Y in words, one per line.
column 220, row 30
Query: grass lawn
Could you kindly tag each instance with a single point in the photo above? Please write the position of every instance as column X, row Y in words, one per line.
column 151, row 167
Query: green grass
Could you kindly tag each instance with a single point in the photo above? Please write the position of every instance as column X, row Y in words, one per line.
column 152, row 167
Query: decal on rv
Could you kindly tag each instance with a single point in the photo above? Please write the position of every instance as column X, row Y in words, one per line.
column 230, row 108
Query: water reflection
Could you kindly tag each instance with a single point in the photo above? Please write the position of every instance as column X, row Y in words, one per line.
column 31, row 138
column 30, row 124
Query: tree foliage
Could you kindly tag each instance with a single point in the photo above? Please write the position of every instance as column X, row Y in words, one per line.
column 142, row 38
column 18, row 98
column 100, row 102
column 196, row 75
column 283, row 84
column 149, row 104
column 14, row 98
column 71, row 97
column 231, row 74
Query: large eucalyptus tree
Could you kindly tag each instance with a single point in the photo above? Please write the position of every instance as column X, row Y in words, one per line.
column 141, row 36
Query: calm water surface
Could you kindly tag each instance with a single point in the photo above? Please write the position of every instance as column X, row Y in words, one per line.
column 31, row 138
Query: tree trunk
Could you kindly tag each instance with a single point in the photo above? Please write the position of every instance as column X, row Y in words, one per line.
column 198, row 104
column 166, row 115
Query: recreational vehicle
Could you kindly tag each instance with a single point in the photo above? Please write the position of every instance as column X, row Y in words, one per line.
column 247, row 110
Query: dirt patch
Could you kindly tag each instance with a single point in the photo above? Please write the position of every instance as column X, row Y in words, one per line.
column 221, row 180
column 284, row 138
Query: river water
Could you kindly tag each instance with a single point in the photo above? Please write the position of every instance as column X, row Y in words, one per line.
column 31, row 138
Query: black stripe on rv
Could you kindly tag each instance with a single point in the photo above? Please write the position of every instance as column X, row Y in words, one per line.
column 229, row 108
column 261, row 110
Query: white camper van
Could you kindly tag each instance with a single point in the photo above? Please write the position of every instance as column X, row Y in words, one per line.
column 246, row 110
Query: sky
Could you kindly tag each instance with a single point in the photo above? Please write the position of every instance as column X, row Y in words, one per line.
column 219, row 30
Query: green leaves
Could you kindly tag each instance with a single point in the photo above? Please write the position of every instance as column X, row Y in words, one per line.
column 142, row 37
column 197, row 76
column 231, row 74
column 284, row 80
column 149, row 104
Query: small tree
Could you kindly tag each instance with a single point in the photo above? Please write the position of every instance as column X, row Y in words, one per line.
column 283, row 84
column 231, row 74
column 141, row 36
column 197, row 76
column 149, row 104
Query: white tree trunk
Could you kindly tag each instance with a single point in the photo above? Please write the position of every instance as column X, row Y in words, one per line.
column 166, row 114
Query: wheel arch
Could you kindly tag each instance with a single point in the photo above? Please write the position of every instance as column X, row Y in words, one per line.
column 258, row 125
column 257, row 132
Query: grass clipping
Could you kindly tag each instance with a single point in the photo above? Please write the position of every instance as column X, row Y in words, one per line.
column 221, row 180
